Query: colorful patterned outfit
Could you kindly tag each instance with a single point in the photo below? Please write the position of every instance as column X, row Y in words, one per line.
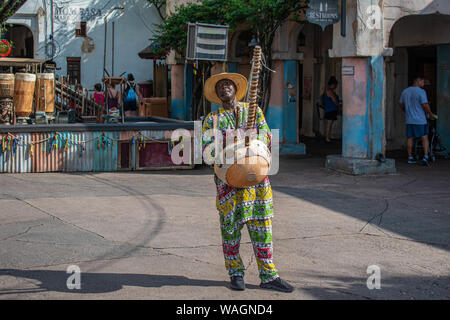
column 238, row 206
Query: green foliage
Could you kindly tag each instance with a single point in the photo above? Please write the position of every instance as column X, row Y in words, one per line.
column 262, row 17
column 8, row 8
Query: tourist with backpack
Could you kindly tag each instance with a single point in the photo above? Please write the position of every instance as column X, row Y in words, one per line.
column 131, row 94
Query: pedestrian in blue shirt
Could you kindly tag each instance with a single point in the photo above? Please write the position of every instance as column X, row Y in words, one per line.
column 415, row 104
column 331, row 105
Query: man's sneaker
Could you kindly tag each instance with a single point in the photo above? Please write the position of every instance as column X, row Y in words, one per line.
column 237, row 283
column 411, row 160
column 425, row 161
column 278, row 285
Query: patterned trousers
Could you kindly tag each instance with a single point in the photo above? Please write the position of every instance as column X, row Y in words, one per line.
column 261, row 236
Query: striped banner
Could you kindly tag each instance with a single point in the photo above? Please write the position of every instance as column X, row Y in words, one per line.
column 210, row 43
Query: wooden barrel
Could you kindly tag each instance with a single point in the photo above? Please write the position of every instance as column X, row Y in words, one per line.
column 6, row 85
column 249, row 166
column 23, row 93
column 45, row 92
column 6, row 111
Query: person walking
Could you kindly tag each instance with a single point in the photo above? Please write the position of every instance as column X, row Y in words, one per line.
column 331, row 105
column 414, row 102
column 131, row 96
column 237, row 207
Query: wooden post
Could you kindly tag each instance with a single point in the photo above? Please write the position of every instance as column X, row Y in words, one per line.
column 121, row 101
column 62, row 93
column 45, row 97
column 82, row 102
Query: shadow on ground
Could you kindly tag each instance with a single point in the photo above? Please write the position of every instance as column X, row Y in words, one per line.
column 391, row 288
column 56, row 281
column 329, row 287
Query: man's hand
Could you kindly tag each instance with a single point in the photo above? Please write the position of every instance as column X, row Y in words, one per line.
column 427, row 109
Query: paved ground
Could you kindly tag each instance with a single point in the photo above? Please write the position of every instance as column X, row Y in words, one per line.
column 154, row 235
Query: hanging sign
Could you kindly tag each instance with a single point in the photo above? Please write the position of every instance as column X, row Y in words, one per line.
column 5, row 48
column 207, row 42
column 323, row 12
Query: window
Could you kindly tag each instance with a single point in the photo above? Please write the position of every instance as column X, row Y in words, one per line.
column 301, row 41
column 74, row 70
column 80, row 29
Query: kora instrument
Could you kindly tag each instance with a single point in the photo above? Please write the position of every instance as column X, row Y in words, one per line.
column 251, row 157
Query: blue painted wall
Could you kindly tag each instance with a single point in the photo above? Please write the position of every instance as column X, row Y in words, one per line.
column 443, row 94
column 354, row 136
column 275, row 119
column 290, row 105
column 178, row 110
column 363, row 134
column 233, row 67
column 375, row 121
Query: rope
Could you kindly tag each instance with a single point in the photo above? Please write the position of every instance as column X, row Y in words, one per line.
column 10, row 141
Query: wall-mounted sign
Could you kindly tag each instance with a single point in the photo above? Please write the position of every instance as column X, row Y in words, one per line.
column 65, row 12
column 207, row 42
column 5, row 48
column 323, row 12
column 348, row 70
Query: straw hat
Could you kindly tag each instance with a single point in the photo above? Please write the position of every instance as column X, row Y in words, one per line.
column 238, row 79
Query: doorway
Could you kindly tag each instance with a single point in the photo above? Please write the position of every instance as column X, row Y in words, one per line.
column 423, row 61
column 22, row 41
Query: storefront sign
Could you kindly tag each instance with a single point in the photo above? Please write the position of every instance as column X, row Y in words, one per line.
column 69, row 13
column 5, row 48
column 323, row 12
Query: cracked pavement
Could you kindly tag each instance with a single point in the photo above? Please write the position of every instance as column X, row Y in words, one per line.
column 155, row 235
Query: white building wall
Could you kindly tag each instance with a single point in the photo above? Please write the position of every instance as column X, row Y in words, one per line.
column 133, row 29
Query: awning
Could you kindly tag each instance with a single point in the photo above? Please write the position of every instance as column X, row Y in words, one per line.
column 20, row 62
column 437, row 6
column 147, row 53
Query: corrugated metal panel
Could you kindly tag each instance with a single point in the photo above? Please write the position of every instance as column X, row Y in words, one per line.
column 18, row 160
column 106, row 158
column 47, row 158
column 158, row 135
column 126, row 135
column 168, row 133
column 79, row 156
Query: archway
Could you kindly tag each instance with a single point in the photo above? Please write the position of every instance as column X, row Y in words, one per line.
column 309, row 45
column 241, row 52
column 421, row 47
column 22, row 40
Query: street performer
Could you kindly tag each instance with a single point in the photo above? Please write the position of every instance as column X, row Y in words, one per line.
column 252, row 206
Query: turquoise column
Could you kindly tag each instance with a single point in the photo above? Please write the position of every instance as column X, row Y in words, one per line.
column 363, row 127
column 290, row 108
column 443, row 95
column 178, row 110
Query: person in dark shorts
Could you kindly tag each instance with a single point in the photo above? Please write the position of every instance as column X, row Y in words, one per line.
column 415, row 104
column 331, row 105
column 131, row 96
